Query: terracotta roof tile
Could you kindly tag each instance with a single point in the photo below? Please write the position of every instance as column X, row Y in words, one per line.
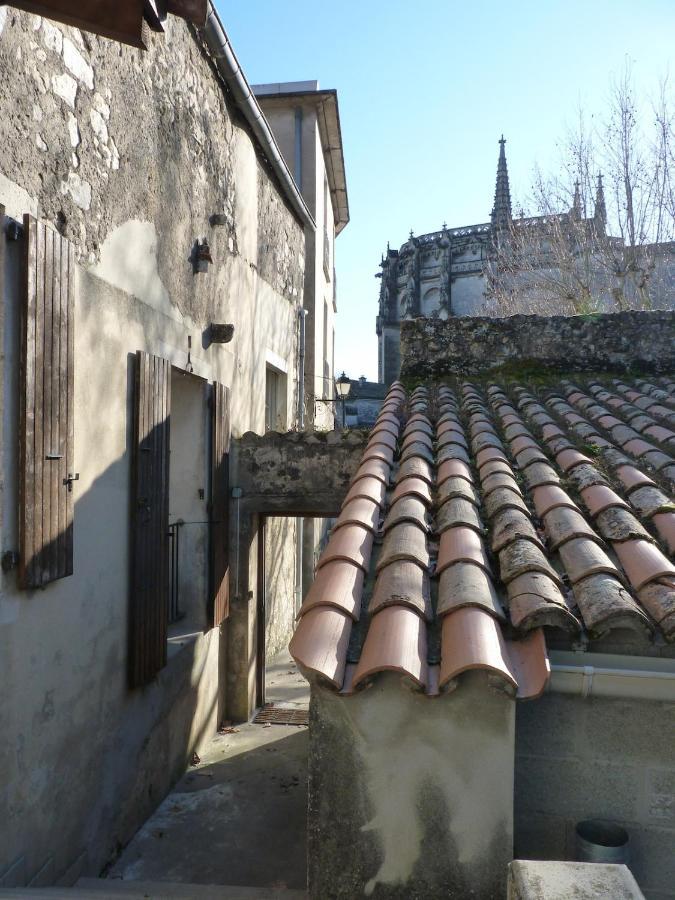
column 567, row 459
column 404, row 541
column 530, row 665
column 472, row 639
column 456, row 487
column 396, row 641
column 461, row 544
column 403, row 583
column 597, row 497
column 488, row 455
column 605, row 603
column 658, row 598
column 503, row 498
column 466, row 584
column 509, row 525
column 415, row 467
column 523, row 556
column 407, row 509
column 550, row 496
column 562, row 524
column 582, row 557
column 352, row 543
column 369, row 487
column 458, row 511
column 360, row 511
column 378, row 468
column 319, row 645
column 453, row 468
column 416, row 486
column 643, row 562
column 665, row 526
column 540, row 473
column 338, row 584
column 416, row 435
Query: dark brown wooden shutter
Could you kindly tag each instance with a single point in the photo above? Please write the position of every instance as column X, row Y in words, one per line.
column 220, row 574
column 46, row 425
column 148, row 612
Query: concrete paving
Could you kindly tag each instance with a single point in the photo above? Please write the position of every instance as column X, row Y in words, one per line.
column 283, row 683
column 239, row 816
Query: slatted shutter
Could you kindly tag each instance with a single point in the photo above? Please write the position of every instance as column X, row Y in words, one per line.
column 220, row 503
column 148, row 612
column 46, row 411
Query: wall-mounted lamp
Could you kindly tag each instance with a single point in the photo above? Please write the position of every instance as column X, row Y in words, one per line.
column 220, row 334
column 201, row 256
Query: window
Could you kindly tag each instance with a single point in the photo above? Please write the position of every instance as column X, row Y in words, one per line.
column 275, row 400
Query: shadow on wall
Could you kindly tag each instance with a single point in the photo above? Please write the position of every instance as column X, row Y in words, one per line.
column 85, row 759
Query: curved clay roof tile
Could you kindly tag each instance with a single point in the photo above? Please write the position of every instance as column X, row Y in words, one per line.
column 319, row 645
column 339, row 584
column 396, row 642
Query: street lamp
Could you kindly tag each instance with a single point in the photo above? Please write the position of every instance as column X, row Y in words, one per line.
column 343, row 386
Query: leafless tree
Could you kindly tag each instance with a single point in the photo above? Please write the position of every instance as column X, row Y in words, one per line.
column 604, row 234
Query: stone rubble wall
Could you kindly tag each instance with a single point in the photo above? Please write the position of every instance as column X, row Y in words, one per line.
column 618, row 342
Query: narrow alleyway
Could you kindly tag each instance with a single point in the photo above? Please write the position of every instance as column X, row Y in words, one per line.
column 239, row 816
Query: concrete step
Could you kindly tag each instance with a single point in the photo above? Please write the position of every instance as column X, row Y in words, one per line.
column 114, row 888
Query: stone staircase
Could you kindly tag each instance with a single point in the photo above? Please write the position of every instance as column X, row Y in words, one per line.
column 114, row 888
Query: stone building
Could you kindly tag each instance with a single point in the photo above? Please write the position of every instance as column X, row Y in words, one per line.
column 564, row 263
column 153, row 268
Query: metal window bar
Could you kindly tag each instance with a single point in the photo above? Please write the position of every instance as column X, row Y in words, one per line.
column 175, row 613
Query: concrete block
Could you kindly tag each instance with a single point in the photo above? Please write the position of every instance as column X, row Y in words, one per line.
column 615, row 729
column 15, row 876
column 576, row 789
column 661, row 796
column 652, row 858
column 562, row 880
column 539, row 836
column 44, row 877
column 549, row 726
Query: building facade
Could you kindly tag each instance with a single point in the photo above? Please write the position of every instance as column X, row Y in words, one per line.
column 558, row 264
column 152, row 276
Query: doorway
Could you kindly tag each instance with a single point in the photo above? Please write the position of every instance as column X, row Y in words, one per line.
column 188, row 505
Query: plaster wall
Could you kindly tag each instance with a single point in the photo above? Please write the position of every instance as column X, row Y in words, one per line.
column 410, row 797
column 580, row 758
column 128, row 154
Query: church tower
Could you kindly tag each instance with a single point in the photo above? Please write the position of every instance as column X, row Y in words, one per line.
column 501, row 211
column 600, row 216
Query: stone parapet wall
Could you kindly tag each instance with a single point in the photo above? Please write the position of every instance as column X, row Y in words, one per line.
column 296, row 473
column 474, row 346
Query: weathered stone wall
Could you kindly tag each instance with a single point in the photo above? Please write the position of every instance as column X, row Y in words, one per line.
column 627, row 341
column 101, row 133
column 297, row 472
column 597, row 757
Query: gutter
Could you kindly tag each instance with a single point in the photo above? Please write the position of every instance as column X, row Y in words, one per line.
column 611, row 675
column 228, row 65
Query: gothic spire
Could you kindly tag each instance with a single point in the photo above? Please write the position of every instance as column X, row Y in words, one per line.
column 575, row 212
column 600, row 208
column 501, row 211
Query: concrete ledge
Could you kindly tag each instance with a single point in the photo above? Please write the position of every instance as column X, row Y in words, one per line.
column 535, row 880
column 607, row 342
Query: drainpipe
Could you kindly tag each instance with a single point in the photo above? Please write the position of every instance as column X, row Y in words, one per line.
column 298, row 146
column 610, row 675
column 228, row 65
column 302, row 313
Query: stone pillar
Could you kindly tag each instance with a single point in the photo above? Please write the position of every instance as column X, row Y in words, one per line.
column 411, row 796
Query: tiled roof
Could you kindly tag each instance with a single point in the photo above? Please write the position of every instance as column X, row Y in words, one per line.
column 480, row 516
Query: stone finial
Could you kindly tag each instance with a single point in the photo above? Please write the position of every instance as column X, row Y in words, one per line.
column 575, row 212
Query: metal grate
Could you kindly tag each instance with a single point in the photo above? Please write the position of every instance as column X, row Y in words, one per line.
column 278, row 714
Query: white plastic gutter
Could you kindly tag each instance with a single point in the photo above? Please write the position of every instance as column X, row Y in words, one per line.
column 611, row 675
column 228, row 65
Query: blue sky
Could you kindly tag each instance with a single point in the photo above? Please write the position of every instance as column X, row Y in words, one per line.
column 425, row 90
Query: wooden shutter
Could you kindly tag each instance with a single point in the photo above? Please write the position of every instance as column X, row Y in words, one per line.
column 46, row 411
column 148, row 612
column 220, row 574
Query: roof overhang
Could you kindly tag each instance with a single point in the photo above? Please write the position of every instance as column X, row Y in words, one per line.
column 330, row 133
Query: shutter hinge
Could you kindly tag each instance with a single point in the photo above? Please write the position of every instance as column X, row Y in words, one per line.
column 70, row 479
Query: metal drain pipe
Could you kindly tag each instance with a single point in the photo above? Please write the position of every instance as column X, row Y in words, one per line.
column 228, row 65
column 611, row 675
